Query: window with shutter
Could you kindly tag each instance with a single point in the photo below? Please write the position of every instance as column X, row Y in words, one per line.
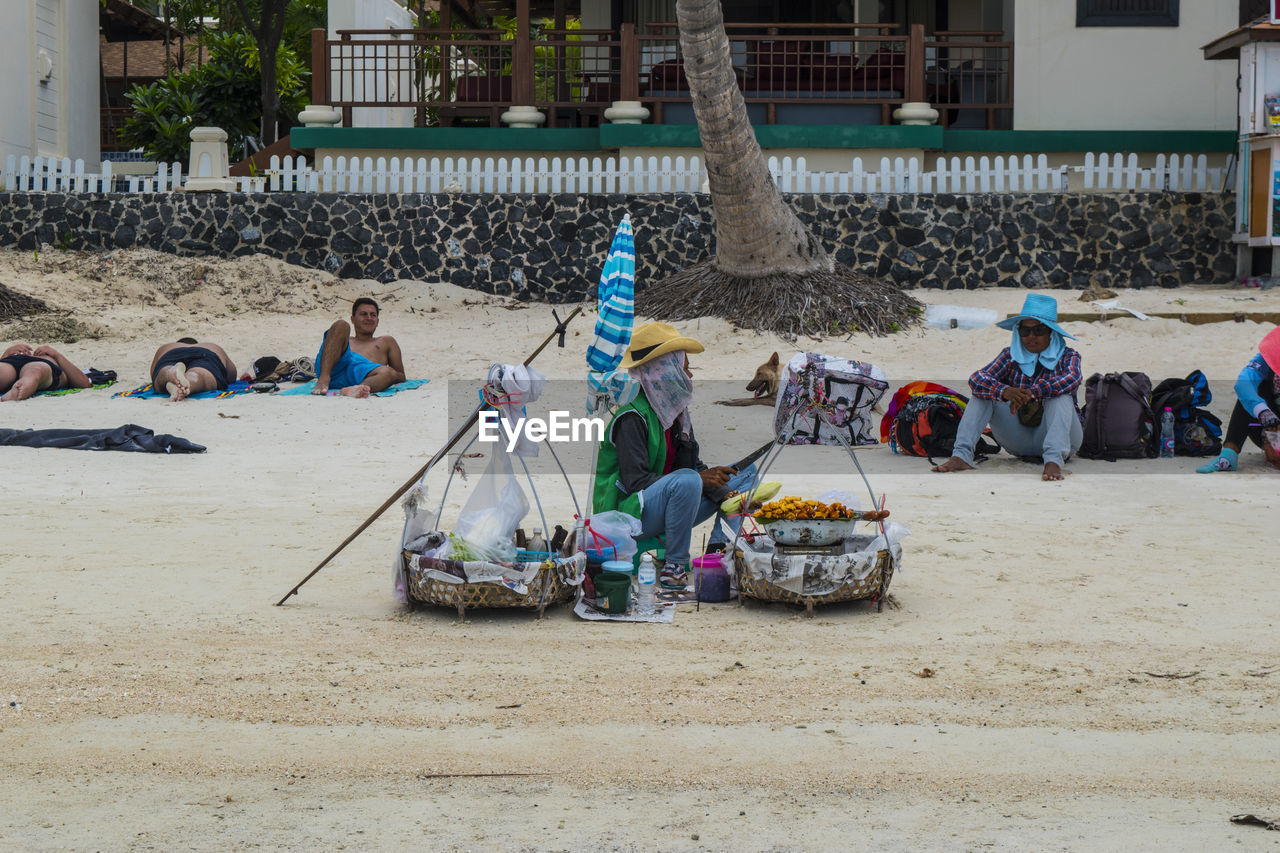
column 1126, row 13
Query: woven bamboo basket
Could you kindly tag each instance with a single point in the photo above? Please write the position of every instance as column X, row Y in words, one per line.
column 874, row 586
column 549, row 586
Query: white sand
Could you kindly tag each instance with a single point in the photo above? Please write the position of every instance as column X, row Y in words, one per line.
column 154, row 698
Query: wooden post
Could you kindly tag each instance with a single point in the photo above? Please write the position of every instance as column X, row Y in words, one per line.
column 319, row 68
column 522, row 58
column 630, row 64
column 915, row 64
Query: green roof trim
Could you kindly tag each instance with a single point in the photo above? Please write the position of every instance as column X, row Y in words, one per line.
column 777, row 136
column 454, row 139
column 1050, row 141
column 461, row 140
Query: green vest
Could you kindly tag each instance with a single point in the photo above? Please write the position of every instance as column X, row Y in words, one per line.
column 607, row 494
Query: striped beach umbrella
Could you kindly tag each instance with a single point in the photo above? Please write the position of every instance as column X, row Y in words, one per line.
column 615, row 298
column 615, row 301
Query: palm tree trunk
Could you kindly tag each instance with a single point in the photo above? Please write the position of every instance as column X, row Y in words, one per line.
column 756, row 231
column 770, row 273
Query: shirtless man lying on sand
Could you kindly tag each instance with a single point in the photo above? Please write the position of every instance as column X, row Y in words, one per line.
column 25, row 371
column 185, row 367
column 358, row 365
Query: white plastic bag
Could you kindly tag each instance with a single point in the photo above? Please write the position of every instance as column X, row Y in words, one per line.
column 487, row 524
column 618, row 528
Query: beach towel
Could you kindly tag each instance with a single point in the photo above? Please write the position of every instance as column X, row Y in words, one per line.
column 62, row 391
column 129, row 437
column 305, row 388
column 148, row 392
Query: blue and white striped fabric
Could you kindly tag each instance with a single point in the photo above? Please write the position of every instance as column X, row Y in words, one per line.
column 609, row 388
column 616, row 301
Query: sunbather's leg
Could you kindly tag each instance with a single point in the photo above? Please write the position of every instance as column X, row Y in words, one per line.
column 199, row 379
column 8, row 375
column 34, row 376
column 336, row 341
column 172, row 379
column 379, row 379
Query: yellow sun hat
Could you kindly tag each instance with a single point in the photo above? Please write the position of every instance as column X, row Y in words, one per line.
column 654, row 339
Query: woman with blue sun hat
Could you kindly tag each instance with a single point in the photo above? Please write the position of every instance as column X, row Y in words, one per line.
column 1037, row 376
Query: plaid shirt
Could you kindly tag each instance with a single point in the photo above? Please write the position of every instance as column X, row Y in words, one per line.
column 989, row 382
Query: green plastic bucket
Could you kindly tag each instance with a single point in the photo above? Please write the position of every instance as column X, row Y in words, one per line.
column 613, row 592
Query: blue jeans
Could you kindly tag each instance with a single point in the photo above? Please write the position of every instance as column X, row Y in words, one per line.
column 1057, row 437
column 674, row 505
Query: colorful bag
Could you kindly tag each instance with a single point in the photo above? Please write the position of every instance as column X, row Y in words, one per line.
column 1196, row 431
column 922, row 421
column 824, row 399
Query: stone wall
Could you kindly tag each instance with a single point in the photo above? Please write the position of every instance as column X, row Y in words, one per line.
column 552, row 246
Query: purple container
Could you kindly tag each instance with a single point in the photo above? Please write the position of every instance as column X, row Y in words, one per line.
column 713, row 578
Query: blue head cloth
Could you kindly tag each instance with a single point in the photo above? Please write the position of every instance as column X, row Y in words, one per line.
column 1043, row 309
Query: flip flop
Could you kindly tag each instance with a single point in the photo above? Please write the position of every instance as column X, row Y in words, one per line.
column 764, row 492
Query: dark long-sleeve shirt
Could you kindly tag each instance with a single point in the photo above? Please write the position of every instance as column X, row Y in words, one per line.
column 630, row 437
column 989, row 382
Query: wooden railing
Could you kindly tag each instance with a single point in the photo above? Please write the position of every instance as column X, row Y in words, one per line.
column 110, row 122
column 789, row 74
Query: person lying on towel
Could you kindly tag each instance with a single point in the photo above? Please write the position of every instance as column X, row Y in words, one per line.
column 648, row 464
column 1257, row 401
column 358, row 365
column 25, row 371
column 1037, row 375
column 185, row 367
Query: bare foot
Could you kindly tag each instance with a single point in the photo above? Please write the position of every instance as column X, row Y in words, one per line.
column 955, row 463
column 1051, row 471
column 357, row 391
column 17, row 391
column 321, row 388
column 178, row 386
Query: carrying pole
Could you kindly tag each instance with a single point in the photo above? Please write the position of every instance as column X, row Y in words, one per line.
column 561, row 325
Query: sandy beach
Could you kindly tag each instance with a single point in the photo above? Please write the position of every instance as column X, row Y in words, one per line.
column 1105, row 653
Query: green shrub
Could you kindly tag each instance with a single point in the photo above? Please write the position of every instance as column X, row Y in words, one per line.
column 224, row 92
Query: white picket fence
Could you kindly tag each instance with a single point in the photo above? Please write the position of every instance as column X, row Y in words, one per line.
column 628, row 175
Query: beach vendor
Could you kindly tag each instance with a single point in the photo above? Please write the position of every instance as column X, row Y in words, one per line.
column 25, row 371
column 1037, row 376
column 649, row 464
column 185, row 367
column 357, row 365
column 1257, row 402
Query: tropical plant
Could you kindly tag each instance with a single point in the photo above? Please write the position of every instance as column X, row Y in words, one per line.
column 224, row 92
column 769, row 273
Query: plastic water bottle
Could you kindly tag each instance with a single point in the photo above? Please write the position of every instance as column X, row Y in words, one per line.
column 1166, row 433
column 537, row 544
column 646, row 600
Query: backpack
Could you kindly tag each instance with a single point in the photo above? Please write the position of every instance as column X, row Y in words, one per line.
column 923, row 419
column 1196, row 432
column 1118, row 423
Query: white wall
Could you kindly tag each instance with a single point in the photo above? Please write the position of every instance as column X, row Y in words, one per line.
column 57, row 116
column 17, row 69
column 377, row 15
column 1121, row 78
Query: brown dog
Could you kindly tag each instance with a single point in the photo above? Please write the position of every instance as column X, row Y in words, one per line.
column 764, row 385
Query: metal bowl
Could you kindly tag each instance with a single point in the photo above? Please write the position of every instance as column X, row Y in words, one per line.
column 809, row 531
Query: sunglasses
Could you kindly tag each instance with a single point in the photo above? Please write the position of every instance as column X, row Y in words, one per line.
column 1039, row 330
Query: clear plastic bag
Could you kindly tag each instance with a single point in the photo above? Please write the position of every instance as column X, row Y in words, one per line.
column 489, row 520
column 614, row 529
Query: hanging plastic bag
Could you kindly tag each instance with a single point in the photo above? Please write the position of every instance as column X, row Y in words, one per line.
column 487, row 524
column 614, row 529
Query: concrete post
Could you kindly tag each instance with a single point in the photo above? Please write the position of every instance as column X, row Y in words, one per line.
column 209, row 169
